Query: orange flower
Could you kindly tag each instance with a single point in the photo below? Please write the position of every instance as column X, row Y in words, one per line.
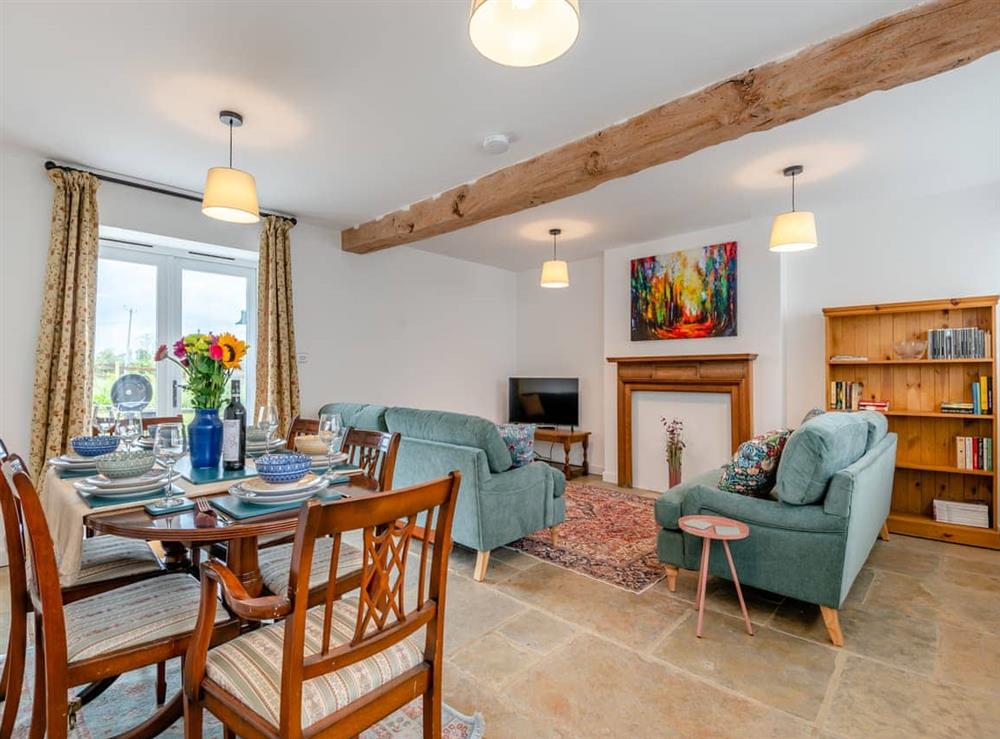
column 233, row 350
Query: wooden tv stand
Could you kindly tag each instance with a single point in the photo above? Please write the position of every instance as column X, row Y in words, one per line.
column 567, row 439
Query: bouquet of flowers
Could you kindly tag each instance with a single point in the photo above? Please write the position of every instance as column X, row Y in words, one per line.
column 208, row 362
column 675, row 439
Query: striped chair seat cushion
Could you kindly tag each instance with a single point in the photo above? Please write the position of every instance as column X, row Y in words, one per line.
column 275, row 563
column 140, row 613
column 249, row 667
column 108, row 557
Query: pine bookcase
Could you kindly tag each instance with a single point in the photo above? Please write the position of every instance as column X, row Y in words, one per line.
column 915, row 388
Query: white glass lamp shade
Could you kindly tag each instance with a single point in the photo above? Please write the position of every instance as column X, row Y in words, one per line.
column 524, row 33
column 555, row 273
column 794, row 231
column 230, row 195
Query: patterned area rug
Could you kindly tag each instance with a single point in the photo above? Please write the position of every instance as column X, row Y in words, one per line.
column 132, row 699
column 608, row 535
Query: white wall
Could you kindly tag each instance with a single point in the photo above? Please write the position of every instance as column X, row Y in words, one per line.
column 560, row 333
column 758, row 323
column 943, row 246
column 401, row 327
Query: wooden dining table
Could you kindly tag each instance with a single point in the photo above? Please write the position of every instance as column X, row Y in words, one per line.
column 182, row 531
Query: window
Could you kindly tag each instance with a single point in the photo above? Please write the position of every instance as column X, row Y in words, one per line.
column 153, row 293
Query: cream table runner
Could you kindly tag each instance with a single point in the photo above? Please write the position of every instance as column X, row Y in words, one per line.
column 65, row 512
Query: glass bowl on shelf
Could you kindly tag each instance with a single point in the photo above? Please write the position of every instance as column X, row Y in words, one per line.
column 911, row 349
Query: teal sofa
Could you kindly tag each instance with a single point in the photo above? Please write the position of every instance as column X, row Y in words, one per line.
column 811, row 537
column 497, row 504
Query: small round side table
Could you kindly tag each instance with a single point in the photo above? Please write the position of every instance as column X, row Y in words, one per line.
column 716, row 528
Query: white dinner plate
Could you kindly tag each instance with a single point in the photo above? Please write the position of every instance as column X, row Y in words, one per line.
column 247, row 496
column 124, row 491
column 105, row 483
column 259, row 487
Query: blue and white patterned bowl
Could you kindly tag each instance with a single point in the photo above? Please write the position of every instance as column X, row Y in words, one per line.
column 282, row 468
column 94, row 446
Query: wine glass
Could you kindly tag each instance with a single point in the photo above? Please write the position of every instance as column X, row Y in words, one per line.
column 267, row 419
column 104, row 418
column 331, row 433
column 169, row 445
column 130, row 427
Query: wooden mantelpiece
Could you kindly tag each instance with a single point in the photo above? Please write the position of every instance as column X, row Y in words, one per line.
column 693, row 373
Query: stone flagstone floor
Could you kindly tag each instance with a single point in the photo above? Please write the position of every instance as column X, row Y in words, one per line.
column 544, row 652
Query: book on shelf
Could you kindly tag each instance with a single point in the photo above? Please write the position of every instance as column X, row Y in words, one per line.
column 848, row 358
column 845, row 396
column 974, row 453
column 985, row 393
column 967, row 514
column 882, row 406
column 959, row 343
column 951, row 406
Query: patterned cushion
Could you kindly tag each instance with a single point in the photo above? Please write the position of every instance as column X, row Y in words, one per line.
column 249, row 667
column 108, row 557
column 755, row 464
column 520, row 440
column 276, row 561
column 146, row 611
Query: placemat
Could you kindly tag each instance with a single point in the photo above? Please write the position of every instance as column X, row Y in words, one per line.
column 155, row 508
column 68, row 474
column 204, row 475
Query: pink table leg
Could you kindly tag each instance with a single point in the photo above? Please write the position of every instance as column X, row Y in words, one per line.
column 739, row 590
column 702, row 580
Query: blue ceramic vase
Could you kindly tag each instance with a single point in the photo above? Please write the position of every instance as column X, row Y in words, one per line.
column 205, row 438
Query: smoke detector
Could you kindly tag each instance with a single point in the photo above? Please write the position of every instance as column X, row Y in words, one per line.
column 496, row 143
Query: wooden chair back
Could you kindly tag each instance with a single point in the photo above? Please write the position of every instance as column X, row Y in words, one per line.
column 38, row 586
column 374, row 452
column 14, row 537
column 388, row 522
column 147, row 422
column 301, row 427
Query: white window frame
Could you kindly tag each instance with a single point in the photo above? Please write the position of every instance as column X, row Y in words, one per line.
column 170, row 260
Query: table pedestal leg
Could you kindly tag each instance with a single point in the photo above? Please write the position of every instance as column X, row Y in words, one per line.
column 175, row 555
column 739, row 590
column 702, row 581
column 241, row 558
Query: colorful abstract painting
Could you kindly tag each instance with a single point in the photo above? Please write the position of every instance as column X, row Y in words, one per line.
column 685, row 295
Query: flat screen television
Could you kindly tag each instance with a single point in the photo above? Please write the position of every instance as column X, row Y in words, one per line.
column 549, row 401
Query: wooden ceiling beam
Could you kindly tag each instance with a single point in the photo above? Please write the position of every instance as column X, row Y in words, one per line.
column 906, row 47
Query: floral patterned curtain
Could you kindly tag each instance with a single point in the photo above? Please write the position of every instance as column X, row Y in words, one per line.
column 277, row 371
column 65, row 351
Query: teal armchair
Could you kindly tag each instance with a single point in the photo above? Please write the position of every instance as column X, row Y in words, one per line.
column 810, row 539
column 497, row 503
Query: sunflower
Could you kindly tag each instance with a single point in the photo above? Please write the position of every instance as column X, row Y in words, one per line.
column 232, row 350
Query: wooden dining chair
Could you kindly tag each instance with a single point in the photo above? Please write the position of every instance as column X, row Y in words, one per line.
column 96, row 637
column 375, row 453
column 106, row 563
column 301, row 427
column 340, row 667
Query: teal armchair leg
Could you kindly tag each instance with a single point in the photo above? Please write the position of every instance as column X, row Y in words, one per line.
column 672, row 572
column 482, row 562
column 831, row 617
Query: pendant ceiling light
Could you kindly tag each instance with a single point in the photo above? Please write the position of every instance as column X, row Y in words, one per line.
column 795, row 230
column 524, row 33
column 230, row 194
column 555, row 273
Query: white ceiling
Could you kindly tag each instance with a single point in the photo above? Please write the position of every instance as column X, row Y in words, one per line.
column 932, row 136
column 354, row 109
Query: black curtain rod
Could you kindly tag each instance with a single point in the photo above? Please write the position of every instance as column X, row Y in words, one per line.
column 149, row 188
